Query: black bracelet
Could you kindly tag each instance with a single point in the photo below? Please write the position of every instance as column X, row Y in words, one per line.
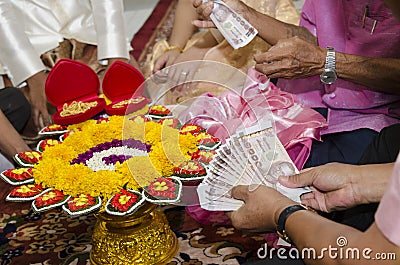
column 282, row 220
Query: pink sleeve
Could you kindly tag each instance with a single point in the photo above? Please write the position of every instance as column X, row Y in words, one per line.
column 387, row 216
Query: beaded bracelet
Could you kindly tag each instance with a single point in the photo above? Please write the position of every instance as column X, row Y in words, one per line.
column 171, row 48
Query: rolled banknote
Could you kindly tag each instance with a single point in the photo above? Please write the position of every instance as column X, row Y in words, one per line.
column 235, row 28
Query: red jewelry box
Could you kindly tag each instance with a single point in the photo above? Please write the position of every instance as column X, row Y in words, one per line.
column 70, row 81
column 123, row 82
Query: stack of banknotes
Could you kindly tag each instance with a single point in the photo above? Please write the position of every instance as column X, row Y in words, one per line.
column 235, row 29
column 253, row 156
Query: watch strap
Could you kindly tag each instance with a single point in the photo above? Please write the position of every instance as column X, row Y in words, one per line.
column 330, row 60
column 284, row 216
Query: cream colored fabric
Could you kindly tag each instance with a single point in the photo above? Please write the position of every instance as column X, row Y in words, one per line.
column 29, row 28
column 241, row 59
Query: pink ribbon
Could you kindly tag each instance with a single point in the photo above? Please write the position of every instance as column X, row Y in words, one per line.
column 295, row 125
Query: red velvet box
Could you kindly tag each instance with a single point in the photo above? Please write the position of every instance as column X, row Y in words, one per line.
column 70, row 81
column 123, row 82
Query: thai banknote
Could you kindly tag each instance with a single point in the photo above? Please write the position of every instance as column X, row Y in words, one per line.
column 234, row 27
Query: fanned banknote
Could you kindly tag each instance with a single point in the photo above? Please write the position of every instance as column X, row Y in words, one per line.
column 253, row 156
column 235, row 28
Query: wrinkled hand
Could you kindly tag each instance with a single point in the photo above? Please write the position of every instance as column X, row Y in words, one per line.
column 332, row 185
column 37, row 98
column 204, row 10
column 291, row 59
column 261, row 208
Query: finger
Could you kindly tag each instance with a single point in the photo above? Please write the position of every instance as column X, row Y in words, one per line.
column 203, row 24
column 197, row 3
column 205, row 9
column 172, row 75
column 160, row 63
column 35, row 116
column 269, row 57
column 307, row 196
column 229, row 214
column 268, row 69
column 240, row 192
column 187, row 86
column 46, row 119
column 302, row 179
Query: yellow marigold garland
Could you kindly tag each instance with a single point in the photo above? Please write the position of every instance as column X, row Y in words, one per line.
column 169, row 149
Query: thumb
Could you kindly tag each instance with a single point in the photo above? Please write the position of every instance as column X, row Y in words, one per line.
column 240, row 192
column 303, row 179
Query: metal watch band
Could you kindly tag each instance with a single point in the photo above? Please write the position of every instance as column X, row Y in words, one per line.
column 330, row 61
column 280, row 228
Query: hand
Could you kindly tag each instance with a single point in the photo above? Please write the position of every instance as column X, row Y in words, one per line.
column 11, row 142
column 37, row 98
column 333, row 186
column 165, row 60
column 205, row 10
column 291, row 59
column 182, row 70
column 261, row 208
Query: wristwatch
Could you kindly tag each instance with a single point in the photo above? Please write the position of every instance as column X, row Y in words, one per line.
column 280, row 228
column 329, row 76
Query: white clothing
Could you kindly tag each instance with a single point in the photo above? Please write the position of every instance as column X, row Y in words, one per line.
column 28, row 28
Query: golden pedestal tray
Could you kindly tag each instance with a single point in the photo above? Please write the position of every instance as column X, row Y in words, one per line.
column 143, row 237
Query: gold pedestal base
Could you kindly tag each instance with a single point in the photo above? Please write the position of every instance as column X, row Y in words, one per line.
column 141, row 238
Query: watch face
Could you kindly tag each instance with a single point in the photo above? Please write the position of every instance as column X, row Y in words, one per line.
column 328, row 77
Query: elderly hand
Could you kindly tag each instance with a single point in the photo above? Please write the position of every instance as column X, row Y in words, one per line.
column 291, row 58
column 334, row 186
column 37, row 98
column 261, row 209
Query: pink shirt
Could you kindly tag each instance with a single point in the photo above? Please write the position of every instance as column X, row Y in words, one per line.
column 339, row 23
column 387, row 217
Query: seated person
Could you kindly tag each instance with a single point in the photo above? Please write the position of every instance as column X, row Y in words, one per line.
column 185, row 44
column 360, row 102
column 52, row 30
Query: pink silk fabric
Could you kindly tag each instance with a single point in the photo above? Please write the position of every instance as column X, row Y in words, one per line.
column 295, row 125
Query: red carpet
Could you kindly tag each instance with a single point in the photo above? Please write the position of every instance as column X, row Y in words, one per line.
column 158, row 26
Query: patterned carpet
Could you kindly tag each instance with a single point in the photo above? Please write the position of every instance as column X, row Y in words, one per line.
column 54, row 238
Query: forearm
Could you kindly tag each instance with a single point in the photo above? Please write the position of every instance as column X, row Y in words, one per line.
column 379, row 74
column 272, row 30
column 183, row 28
column 370, row 182
column 11, row 142
column 310, row 231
